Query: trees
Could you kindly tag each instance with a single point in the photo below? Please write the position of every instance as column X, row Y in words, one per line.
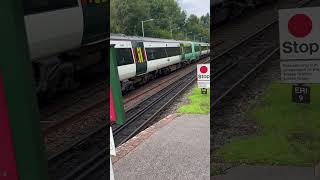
column 126, row 17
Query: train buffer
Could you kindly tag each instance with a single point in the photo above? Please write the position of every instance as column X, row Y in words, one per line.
column 176, row 147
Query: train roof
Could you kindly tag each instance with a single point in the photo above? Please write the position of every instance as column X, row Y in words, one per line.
column 212, row 3
column 149, row 39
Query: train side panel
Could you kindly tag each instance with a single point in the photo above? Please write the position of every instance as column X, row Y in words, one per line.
column 53, row 32
column 188, row 52
column 95, row 20
column 125, row 61
column 158, row 57
column 163, row 57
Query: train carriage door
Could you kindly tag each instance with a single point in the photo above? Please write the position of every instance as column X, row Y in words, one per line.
column 200, row 50
column 140, row 57
column 193, row 48
column 95, row 17
column 182, row 50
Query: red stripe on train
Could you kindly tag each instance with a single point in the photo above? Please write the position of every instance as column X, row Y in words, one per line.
column 84, row 2
column 145, row 54
column 113, row 115
column 134, row 55
column 8, row 169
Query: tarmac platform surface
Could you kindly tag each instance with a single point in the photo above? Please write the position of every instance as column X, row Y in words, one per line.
column 179, row 149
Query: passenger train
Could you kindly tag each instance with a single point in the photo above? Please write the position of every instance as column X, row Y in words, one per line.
column 229, row 9
column 54, row 27
column 141, row 59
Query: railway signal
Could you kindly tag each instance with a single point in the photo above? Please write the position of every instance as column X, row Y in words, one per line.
column 22, row 151
column 116, row 104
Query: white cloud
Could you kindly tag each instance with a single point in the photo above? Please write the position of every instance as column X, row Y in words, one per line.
column 197, row 7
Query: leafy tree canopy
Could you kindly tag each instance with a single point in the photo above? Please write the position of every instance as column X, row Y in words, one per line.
column 170, row 21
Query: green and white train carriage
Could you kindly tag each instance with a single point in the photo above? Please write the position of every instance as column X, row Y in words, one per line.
column 141, row 59
column 204, row 49
column 162, row 56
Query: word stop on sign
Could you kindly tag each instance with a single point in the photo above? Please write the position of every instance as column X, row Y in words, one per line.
column 203, row 75
column 299, row 33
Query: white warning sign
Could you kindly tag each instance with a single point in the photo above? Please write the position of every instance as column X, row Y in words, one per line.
column 299, row 33
column 203, row 75
column 300, row 72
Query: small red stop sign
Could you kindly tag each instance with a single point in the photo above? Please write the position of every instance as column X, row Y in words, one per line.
column 203, row 69
column 300, row 25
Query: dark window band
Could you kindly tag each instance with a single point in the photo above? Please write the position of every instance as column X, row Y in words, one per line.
column 40, row 6
column 156, row 53
column 124, row 56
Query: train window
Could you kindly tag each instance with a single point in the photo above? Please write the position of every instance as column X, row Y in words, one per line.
column 197, row 48
column 151, row 53
column 162, row 53
column 188, row 49
column 156, row 53
column 38, row 6
column 124, row 56
column 173, row 51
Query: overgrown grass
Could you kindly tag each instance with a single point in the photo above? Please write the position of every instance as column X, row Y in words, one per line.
column 289, row 133
column 215, row 171
column 200, row 104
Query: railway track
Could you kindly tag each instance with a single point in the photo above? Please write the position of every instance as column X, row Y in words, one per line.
column 154, row 86
column 248, row 23
column 149, row 109
column 88, row 154
column 56, row 115
column 87, row 99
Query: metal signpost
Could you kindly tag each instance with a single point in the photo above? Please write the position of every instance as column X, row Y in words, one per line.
column 300, row 50
column 203, row 77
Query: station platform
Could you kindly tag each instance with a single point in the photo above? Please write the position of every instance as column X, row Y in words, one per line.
column 246, row 172
column 177, row 147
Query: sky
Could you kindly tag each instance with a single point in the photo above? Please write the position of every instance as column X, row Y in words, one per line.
column 197, row 7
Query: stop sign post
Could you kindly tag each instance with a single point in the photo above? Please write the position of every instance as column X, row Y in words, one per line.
column 203, row 77
column 299, row 31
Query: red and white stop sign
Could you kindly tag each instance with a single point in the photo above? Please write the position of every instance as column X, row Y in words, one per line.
column 299, row 33
column 203, row 75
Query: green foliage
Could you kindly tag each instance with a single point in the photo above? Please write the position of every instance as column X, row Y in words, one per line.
column 126, row 17
column 200, row 103
column 289, row 133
